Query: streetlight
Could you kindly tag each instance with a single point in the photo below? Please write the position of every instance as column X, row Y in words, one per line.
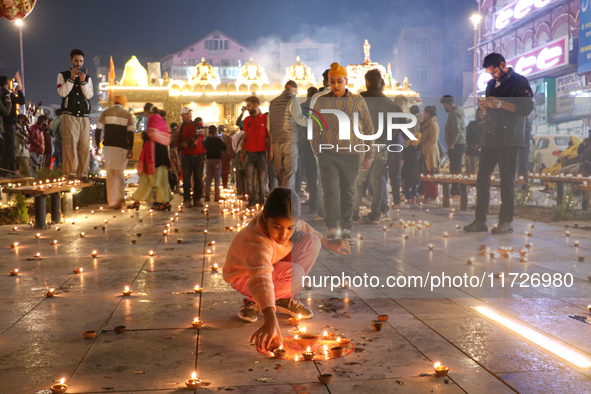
column 476, row 18
column 19, row 23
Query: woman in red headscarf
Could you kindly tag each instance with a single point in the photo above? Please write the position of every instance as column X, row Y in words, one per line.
column 154, row 163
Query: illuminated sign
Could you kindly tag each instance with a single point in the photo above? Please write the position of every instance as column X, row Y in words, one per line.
column 183, row 72
column 544, row 58
column 517, row 10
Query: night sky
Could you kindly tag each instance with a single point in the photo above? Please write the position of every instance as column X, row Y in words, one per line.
column 152, row 29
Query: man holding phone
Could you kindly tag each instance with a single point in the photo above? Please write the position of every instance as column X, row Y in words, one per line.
column 75, row 88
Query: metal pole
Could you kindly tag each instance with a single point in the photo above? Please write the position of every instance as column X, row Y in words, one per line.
column 22, row 59
column 474, row 77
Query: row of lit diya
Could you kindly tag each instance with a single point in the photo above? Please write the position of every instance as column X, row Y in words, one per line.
column 192, row 383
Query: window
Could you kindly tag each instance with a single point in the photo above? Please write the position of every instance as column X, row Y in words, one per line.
column 226, row 62
column 308, row 54
column 528, row 45
column 543, row 38
column 214, row 45
column 543, row 143
column 561, row 31
column 423, row 73
column 510, row 53
column 423, row 46
column 226, row 44
column 561, row 141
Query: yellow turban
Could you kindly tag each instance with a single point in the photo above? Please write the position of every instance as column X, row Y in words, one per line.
column 120, row 99
column 336, row 70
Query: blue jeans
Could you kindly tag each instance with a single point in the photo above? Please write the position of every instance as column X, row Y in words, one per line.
column 192, row 166
column 213, row 171
column 258, row 161
column 57, row 153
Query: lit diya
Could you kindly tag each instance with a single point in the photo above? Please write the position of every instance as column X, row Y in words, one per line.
column 198, row 289
column 14, row 273
column 440, row 370
column 50, row 293
column 215, row 267
column 78, row 270
column 60, row 388
column 193, row 383
column 127, row 291
column 308, row 354
column 14, row 245
column 197, row 324
column 94, row 253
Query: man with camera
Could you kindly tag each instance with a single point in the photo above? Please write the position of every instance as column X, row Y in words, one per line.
column 75, row 88
column 192, row 153
column 15, row 96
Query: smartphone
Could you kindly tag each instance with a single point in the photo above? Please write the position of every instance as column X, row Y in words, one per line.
column 83, row 70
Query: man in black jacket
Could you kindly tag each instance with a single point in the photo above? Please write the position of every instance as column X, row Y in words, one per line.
column 16, row 97
column 75, row 88
column 379, row 105
column 508, row 103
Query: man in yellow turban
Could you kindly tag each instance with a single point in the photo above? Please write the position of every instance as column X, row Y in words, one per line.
column 119, row 127
column 339, row 160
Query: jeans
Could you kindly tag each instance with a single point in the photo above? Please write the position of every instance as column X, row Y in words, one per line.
column 57, row 153
column 523, row 162
column 310, row 165
column 411, row 190
column 213, row 171
column 338, row 173
column 376, row 174
column 256, row 161
column 192, row 166
column 394, row 168
column 506, row 158
column 472, row 164
column 8, row 159
column 455, row 155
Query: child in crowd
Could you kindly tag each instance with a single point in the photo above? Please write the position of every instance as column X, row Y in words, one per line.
column 267, row 260
column 213, row 168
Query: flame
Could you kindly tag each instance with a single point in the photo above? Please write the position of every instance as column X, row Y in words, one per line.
column 197, row 287
column 325, row 333
column 81, row 269
column 339, row 339
column 303, row 329
column 436, row 365
column 281, row 347
column 296, row 357
column 62, row 380
column 300, row 316
column 308, row 349
column 52, row 290
column 215, row 265
column 126, row 288
column 16, row 270
column 295, row 336
column 196, row 320
column 194, row 375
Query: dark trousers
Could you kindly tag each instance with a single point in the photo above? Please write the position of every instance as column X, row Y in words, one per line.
column 455, row 164
column 2, row 151
column 8, row 159
column 256, row 176
column 506, row 158
column 213, row 171
column 192, row 166
column 57, row 154
column 338, row 173
column 394, row 167
column 523, row 162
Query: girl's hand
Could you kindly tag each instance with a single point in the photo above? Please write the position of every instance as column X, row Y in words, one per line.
column 340, row 246
column 268, row 337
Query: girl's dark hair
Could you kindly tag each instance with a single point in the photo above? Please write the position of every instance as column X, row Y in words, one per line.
column 154, row 110
column 162, row 113
column 148, row 106
column 282, row 203
column 431, row 110
column 415, row 110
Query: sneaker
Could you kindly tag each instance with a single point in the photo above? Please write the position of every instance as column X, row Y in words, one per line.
column 346, row 235
column 187, row 204
column 502, row 228
column 384, row 217
column 198, row 204
column 249, row 311
column 293, row 307
column 251, row 205
column 476, row 226
column 331, row 233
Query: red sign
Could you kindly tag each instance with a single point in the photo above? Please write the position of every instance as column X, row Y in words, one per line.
column 516, row 11
column 553, row 54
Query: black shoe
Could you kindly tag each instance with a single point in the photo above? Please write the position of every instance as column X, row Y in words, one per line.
column 84, row 179
column 476, row 226
column 502, row 228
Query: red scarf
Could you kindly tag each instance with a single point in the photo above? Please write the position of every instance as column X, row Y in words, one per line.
column 157, row 131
